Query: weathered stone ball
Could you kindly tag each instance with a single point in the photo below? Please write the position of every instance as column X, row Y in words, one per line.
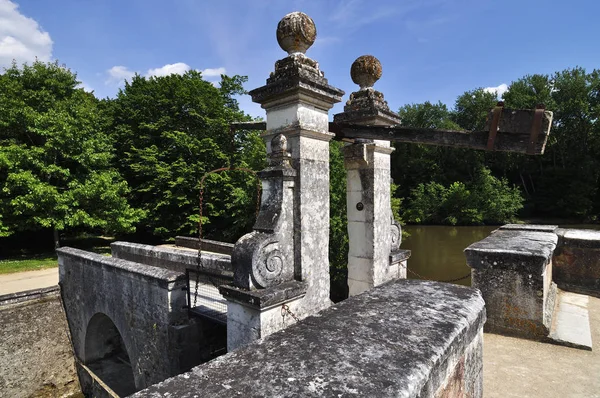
column 296, row 32
column 365, row 71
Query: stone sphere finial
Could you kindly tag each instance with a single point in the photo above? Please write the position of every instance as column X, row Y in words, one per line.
column 365, row 71
column 296, row 32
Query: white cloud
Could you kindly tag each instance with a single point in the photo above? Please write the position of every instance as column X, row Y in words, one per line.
column 499, row 90
column 118, row 74
column 85, row 86
column 178, row 68
column 213, row 72
column 21, row 38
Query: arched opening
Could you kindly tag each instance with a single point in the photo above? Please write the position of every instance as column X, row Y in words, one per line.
column 106, row 355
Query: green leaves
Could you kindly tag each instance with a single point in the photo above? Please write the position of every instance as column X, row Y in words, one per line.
column 169, row 132
column 55, row 157
column 484, row 200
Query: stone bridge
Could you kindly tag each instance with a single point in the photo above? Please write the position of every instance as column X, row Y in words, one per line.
column 128, row 320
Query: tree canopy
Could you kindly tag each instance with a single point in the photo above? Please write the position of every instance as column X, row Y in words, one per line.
column 169, row 132
column 55, row 159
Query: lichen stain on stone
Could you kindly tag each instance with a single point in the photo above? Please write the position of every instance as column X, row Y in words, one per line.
column 455, row 386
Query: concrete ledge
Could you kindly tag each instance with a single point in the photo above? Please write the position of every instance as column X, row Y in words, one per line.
column 399, row 255
column 172, row 259
column 406, row 338
column 207, row 245
column 529, row 227
column 577, row 261
column 513, row 270
column 163, row 277
column 522, row 251
column 264, row 298
column 34, row 294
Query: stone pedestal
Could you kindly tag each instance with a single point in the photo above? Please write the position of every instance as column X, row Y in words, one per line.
column 373, row 234
column 513, row 270
column 297, row 99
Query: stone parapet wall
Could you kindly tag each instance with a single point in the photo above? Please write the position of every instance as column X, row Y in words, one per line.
column 576, row 261
column 406, row 338
column 146, row 304
column 172, row 259
column 207, row 245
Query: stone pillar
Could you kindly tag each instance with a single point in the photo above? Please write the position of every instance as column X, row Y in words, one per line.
column 296, row 98
column 513, row 270
column 374, row 236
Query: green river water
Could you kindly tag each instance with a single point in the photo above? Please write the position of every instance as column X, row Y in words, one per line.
column 437, row 251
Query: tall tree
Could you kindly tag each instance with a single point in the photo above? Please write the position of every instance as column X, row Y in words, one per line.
column 172, row 130
column 564, row 182
column 55, row 169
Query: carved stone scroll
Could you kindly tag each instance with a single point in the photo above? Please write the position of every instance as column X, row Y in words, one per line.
column 265, row 257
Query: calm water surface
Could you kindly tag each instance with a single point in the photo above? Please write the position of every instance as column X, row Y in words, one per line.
column 437, row 251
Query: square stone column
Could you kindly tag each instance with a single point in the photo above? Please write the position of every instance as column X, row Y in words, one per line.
column 374, row 237
column 297, row 98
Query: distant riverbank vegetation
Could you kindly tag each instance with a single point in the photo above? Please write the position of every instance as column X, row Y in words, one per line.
column 71, row 163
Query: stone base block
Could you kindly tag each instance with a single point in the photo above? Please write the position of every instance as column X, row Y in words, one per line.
column 513, row 270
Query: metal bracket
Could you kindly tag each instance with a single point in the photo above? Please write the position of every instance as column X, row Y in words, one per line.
column 494, row 125
column 535, row 128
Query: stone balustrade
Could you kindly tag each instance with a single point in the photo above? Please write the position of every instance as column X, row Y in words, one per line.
column 402, row 339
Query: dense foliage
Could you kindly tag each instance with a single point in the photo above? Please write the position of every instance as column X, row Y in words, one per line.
column 55, row 160
column 70, row 161
column 169, row 132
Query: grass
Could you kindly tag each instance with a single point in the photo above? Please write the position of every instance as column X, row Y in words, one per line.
column 34, row 263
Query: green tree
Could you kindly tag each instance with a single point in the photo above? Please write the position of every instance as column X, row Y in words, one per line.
column 55, row 157
column 170, row 131
column 563, row 182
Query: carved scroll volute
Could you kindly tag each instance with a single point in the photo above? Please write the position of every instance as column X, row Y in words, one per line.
column 265, row 257
column 396, row 235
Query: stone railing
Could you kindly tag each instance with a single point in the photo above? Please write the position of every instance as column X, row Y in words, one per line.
column 405, row 338
column 207, row 245
column 577, row 261
column 146, row 304
column 172, row 259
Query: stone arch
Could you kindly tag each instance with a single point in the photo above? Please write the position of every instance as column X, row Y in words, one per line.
column 106, row 354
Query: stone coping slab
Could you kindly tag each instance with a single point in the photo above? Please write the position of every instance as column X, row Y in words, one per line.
column 164, row 277
column 26, row 295
column 529, row 227
column 264, row 298
column 399, row 255
column 388, row 342
column 207, row 245
column 523, row 251
column 580, row 238
column 177, row 260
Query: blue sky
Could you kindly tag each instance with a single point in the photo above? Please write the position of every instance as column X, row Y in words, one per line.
column 430, row 49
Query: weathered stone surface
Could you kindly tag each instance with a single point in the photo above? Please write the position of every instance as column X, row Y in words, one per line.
column 513, row 270
column 264, row 298
column 522, row 251
column 365, row 71
column 207, row 245
column 529, row 227
column 403, row 339
column 372, row 232
column 296, row 32
column 577, row 261
column 146, row 304
column 297, row 98
column 172, row 259
column 35, row 352
column 265, row 257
